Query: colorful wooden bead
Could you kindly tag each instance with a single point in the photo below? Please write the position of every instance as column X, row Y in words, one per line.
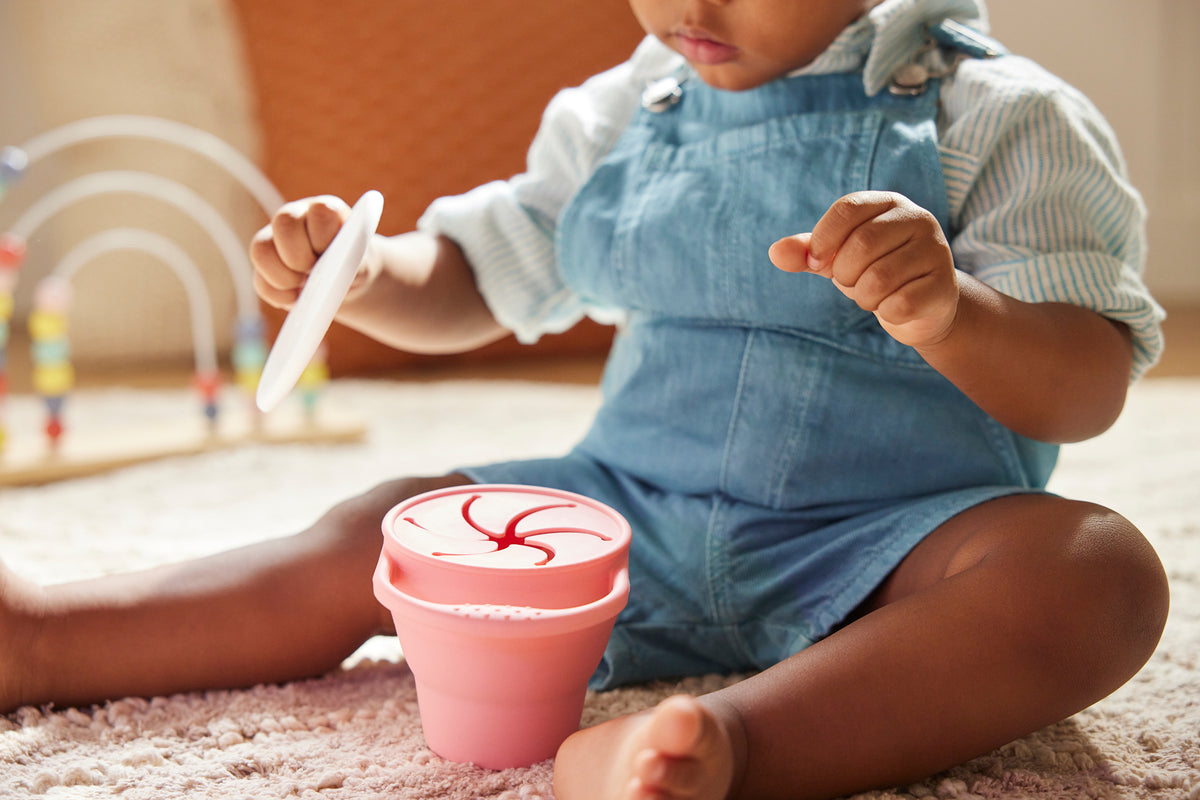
column 13, row 163
column 13, row 250
column 249, row 354
column 53, row 375
column 54, row 429
column 47, row 324
column 314, row 376
column 53, row 294
column 50, row 351
column 53, row 380
column 208, row 385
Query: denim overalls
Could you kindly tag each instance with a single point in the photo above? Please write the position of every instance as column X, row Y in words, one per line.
column 776, row 452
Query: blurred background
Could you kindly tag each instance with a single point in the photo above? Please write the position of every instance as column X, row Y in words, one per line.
column 424, row 99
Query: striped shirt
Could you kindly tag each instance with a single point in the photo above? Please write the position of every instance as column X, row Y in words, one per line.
column 1040, row 206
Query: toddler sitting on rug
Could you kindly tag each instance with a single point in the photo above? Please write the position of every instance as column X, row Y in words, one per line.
column 869, row 270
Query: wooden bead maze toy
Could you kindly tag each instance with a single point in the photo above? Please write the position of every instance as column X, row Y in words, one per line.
column 61, row 452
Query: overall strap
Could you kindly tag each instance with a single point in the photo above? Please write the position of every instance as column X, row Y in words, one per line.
column 953, row 42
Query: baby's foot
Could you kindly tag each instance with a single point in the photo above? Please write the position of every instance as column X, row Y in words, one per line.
column 679, row 749
column 18, row 600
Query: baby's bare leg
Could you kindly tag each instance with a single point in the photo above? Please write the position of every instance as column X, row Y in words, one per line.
column 272, row 611
column 1011, row 616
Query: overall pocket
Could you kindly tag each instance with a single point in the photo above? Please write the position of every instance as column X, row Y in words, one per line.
column 692, row 236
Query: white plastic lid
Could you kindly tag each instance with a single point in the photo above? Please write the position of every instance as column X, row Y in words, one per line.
column 313, row 312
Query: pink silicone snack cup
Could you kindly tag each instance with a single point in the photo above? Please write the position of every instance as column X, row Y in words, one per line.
column 504, row 598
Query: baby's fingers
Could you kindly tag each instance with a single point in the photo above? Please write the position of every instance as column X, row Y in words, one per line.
column 278, row 286
column 303, row 229
column 274, row 282
column 840, row 229
column 284, row 252
column 849, row 234
column 790, row 254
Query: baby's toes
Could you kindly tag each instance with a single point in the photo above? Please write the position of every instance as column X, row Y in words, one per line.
column 658, row 775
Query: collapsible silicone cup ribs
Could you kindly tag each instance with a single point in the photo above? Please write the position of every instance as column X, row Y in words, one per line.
column 504, row 598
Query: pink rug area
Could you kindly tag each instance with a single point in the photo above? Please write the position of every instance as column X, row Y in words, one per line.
column 356, row 733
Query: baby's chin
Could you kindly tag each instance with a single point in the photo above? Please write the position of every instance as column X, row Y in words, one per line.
column 740, row 74
column 734, row 80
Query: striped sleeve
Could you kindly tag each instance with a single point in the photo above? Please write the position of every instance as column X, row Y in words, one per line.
column 1039, row 201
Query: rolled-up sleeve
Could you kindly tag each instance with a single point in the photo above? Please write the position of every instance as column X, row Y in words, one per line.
column 507, row 228
column 1040, row 205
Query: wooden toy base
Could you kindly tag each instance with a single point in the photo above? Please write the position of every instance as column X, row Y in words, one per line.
column 88, row 452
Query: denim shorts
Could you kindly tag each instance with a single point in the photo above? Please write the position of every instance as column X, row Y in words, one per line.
column 721, row 586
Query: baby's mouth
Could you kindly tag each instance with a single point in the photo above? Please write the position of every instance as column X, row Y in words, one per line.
column 699, row 47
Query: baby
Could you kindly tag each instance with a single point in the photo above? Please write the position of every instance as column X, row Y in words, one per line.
column 869, row 271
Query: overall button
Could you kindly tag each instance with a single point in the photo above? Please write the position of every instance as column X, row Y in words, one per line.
column 909, row 80
column 661, row 95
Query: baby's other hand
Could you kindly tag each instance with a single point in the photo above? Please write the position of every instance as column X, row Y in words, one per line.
column 285, row 250
column 889, row 256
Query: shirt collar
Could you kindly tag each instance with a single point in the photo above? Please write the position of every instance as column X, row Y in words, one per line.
column 888, row 36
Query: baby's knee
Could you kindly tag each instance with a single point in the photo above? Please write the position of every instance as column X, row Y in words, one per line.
column 1142, row 583
column 1111, row 574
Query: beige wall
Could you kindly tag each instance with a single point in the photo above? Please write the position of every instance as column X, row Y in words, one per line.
column 65, row 60
column 1138, row 61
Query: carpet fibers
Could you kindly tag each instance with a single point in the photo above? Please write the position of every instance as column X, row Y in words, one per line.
column 355, row 733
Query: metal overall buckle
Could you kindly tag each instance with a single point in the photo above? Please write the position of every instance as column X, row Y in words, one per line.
column 962, row 43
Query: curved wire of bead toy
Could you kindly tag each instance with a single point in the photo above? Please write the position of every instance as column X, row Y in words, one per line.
column 48, row 322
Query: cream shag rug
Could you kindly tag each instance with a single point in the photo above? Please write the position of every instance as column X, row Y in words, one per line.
column 356, row 734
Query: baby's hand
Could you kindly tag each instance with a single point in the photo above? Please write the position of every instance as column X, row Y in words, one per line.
column 284, row 252
column 889, row 256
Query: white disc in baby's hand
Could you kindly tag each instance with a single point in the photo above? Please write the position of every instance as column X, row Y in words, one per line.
column 310, row 317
